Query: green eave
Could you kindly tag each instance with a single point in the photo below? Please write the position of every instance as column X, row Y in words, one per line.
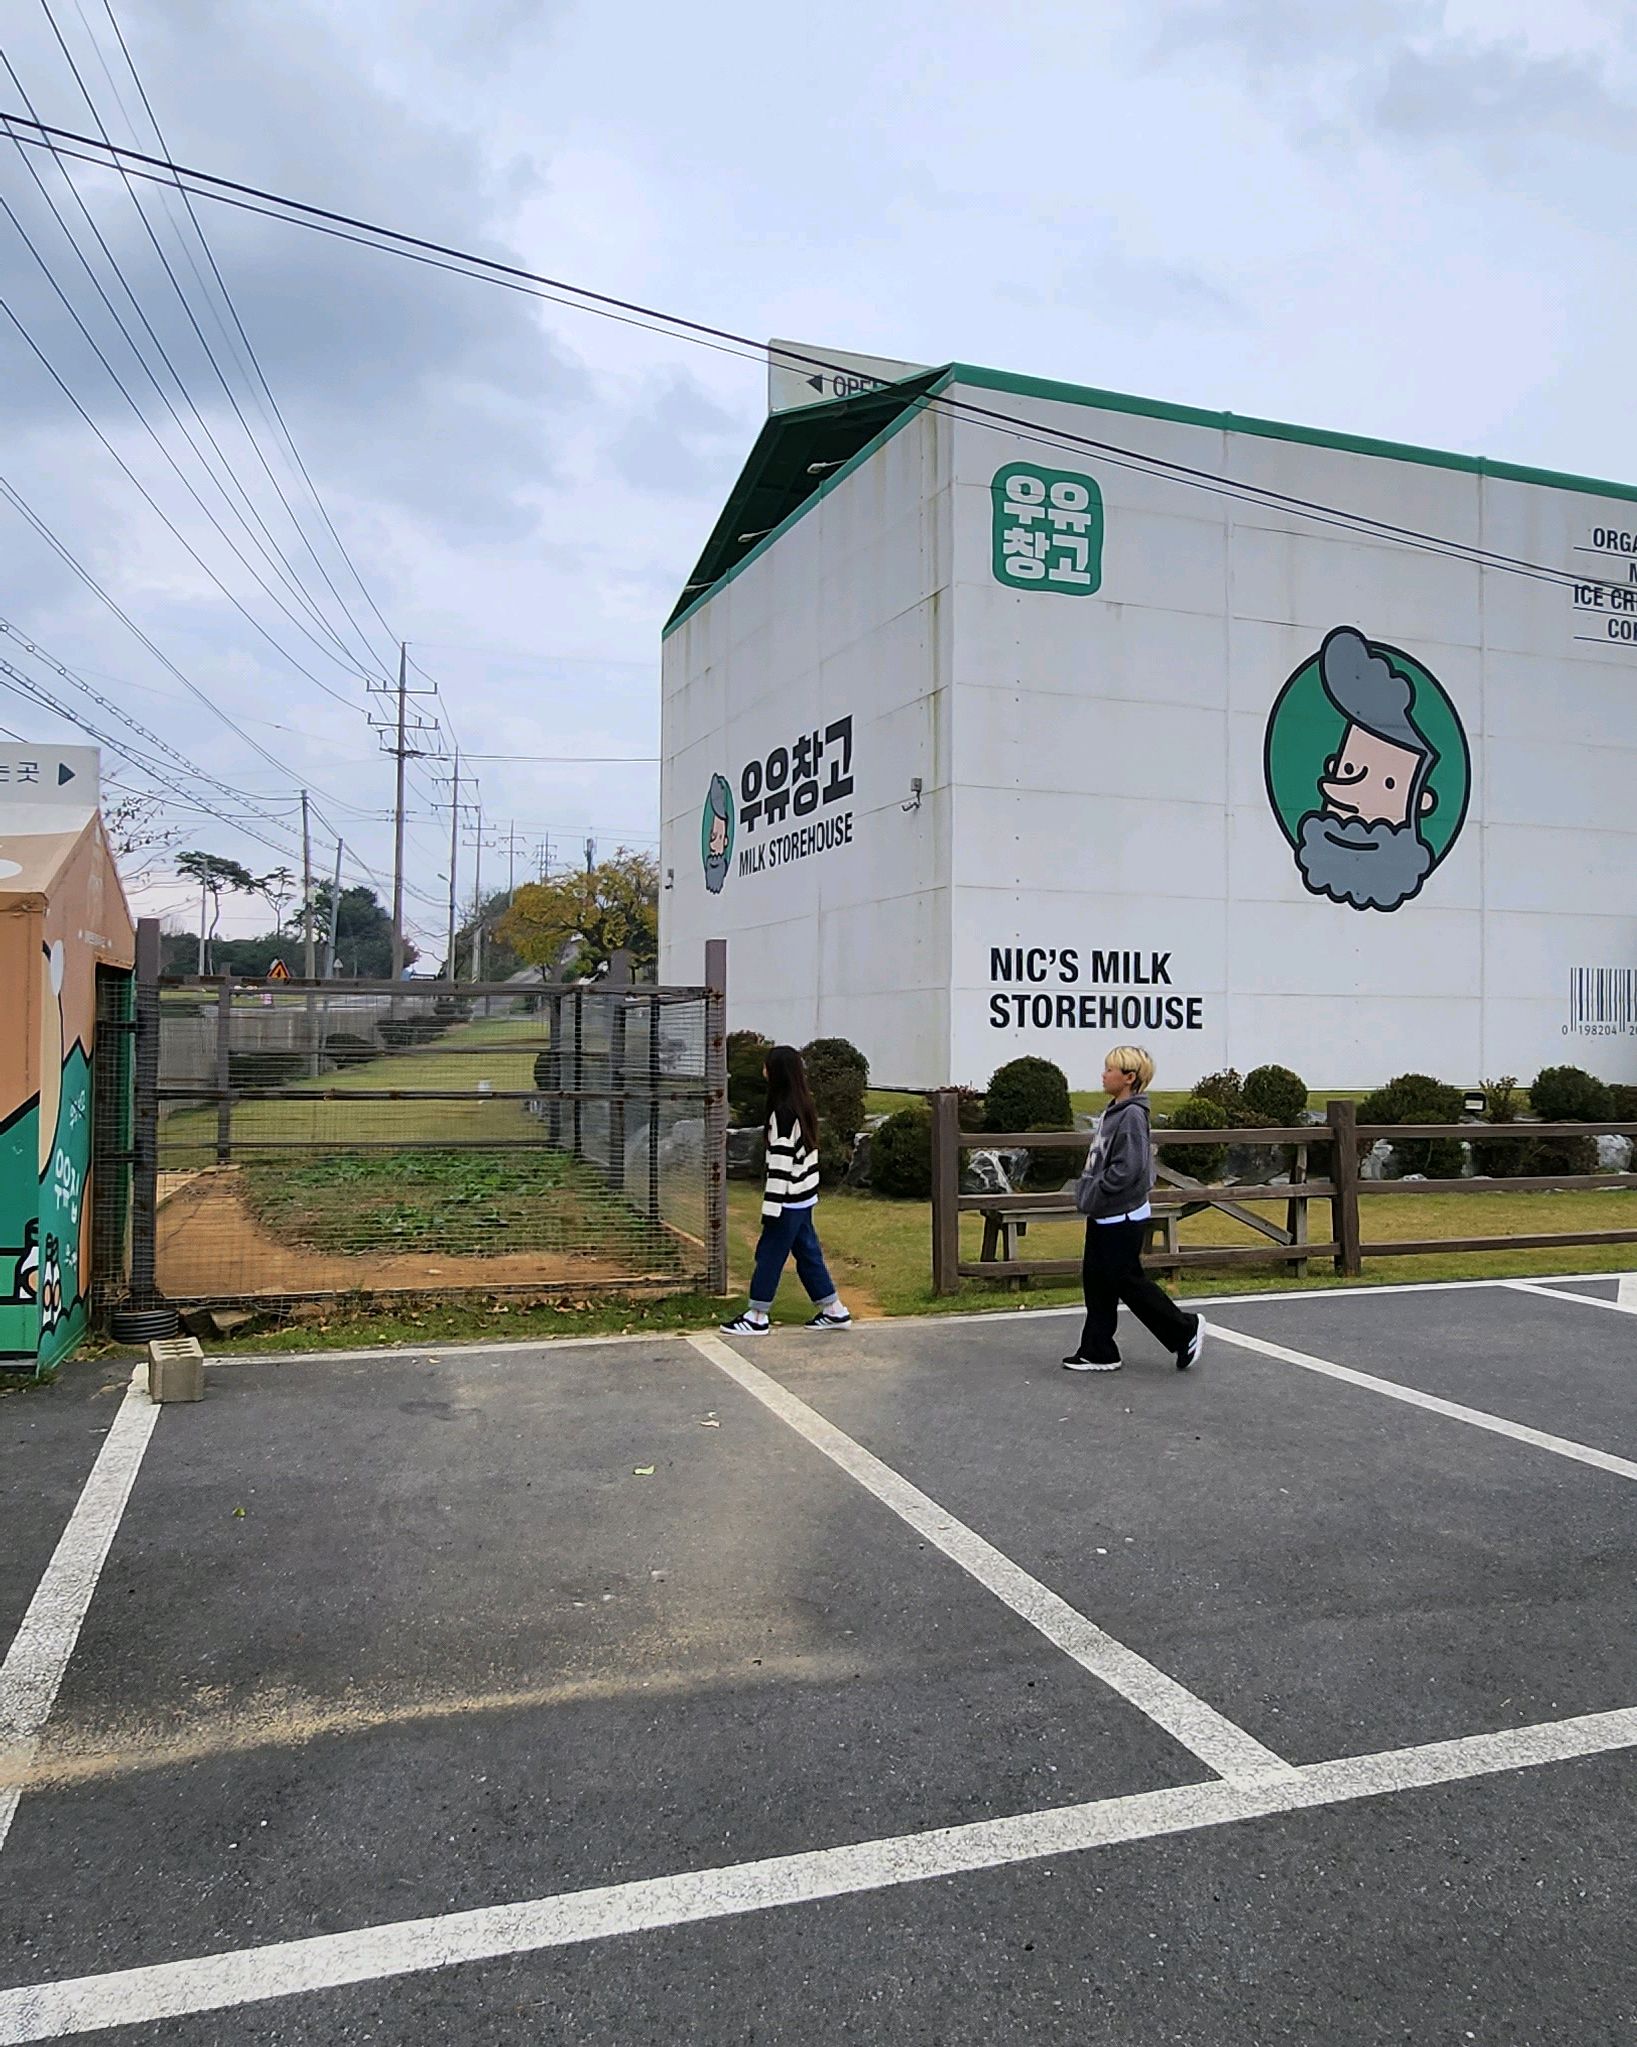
column 775, row 486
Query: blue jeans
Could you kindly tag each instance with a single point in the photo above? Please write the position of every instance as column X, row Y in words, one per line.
column 790, row 1235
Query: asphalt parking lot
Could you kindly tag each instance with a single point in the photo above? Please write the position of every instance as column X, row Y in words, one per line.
column 895, row 1685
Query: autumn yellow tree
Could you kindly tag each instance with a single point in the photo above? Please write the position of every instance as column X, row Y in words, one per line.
column 575, row 922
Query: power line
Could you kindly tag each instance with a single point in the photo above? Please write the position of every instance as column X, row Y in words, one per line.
column 484, row 268
column 204, row 343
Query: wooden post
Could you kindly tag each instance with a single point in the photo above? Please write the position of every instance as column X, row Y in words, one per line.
column 1342, row 1118
column 1296, row 1210
column 577, row 1113
column 145, row 1119
column 716, row 1114
column 946, row 1189
column 654, row 1014
column 224, row 1090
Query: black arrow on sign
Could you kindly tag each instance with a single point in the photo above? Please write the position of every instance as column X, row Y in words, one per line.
column 64, row 773
column 817, row 383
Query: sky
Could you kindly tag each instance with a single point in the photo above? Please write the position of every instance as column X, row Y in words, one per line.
column 1403, row 218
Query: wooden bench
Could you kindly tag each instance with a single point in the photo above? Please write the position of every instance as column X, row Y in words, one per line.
column 1176, row 1196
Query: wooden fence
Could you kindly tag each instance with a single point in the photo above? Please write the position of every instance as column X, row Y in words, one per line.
column 1341, row 1135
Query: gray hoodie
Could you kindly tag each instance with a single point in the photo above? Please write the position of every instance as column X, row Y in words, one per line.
column 1119, row 1172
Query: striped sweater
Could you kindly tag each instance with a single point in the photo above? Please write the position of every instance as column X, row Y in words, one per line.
column 792, row 1171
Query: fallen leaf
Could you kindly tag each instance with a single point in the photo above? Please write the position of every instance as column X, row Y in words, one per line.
column 238, row 1513
column 707, row 1423
column 642, row 1471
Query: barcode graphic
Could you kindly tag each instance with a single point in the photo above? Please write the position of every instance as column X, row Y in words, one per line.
column 1603, row 995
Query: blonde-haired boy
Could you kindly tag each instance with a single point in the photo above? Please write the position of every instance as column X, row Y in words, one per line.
column 1113, row 1197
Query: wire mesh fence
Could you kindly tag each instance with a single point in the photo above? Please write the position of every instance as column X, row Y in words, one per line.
column 311, row 1142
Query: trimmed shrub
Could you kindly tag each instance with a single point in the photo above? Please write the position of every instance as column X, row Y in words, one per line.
column 901, row 1155
column 1501, row 1158
column 1198, row 1161
column 1623, row 1100
column 346, row 1048
column 1028, row 1094
column 838, row 1074
column 1226, row 1089
column 1049, row 1169
column 1568, row 1094
column 747, row 1088
column 1418, row 1098
column 1276, row 1093
column 267, row 1068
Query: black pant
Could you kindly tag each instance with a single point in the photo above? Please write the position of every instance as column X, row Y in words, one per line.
column 1112, row 1273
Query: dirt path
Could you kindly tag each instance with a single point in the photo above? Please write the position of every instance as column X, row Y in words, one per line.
column 211, row 1247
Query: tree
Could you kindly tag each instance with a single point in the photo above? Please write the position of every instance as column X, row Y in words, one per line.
column 614, row 907
column 276, row 889
column 363, row 933
column 500, row 962
column 136, row 828
column 216, row 877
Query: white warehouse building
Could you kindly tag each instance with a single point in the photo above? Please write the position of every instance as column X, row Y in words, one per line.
column 1005, row 716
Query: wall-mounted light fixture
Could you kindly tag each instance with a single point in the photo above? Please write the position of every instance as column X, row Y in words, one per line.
column 670, row 877
column 914, row 802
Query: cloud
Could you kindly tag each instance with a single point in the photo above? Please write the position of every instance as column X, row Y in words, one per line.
column 1501, row 92
column 674, row 440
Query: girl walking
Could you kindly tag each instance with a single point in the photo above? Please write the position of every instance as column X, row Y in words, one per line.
column 788, row 1202
column 1113, row 1197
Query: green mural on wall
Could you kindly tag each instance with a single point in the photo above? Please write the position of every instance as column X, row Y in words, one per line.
column 1047, row 531
column 20, row 1234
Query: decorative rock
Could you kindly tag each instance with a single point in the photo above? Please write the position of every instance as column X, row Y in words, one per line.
column 1614, row 1154
column 858, row 1168
column 1379, row 1162
column 747, row 1153
column 985, row 1172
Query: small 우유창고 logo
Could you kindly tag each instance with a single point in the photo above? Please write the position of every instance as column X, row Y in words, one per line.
column 716, row 833
column 1367, row 770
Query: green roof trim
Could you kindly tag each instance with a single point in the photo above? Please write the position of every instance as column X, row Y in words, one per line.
column 1281, row 430
column 774, row 488
column 774, row 484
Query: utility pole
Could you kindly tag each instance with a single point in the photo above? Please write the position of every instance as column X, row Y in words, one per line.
column 454, row 863
column 545, row 858
column 511, row 860
column 335, row 916
column 306, row 891
column 477, row 902
column 398, row 825
column 201, row 931
column 403, row 727
column 590, row 854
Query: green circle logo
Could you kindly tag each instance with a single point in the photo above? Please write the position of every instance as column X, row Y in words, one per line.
column 1367, row 770
column 716, row 833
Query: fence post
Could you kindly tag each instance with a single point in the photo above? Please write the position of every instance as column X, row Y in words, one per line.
column 716, row 1115
column 224, row 1091
column 554, row 1072
column 619, row 977
column 1342, row 1118
column 946, row 1188
column 579, row 1073
column 145, row 1120
column 654, row 1013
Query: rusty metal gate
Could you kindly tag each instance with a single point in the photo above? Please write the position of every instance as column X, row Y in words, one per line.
column 312, row 1141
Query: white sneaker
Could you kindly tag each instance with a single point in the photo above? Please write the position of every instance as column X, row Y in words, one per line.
column 825, row 1320
column 1189, row 1353
column 1076, row 1363
column 745, row 1325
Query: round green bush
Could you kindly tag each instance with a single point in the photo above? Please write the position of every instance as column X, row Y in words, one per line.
column 747, row 1085
column 1028, row 1094
column 346, row 1048
column 1568, row 1094
column 970, row 1107
column 1562, row 1157
column 1500, row 1158
column 1278, row 1094
column 901, row 1155
column 1418, row 1098
column 1198, row 1161
column 267, row 1068
column 1226, row 1089
column 1623, row 1102
column 838, row 1074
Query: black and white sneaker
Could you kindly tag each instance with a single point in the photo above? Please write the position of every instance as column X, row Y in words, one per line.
column 1189, row 1353
column 745, row 1325
column 1076, row 1363
column 825, row 1320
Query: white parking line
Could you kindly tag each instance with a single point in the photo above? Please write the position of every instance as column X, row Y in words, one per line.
column 1217, row 1741
column 39, row 1653
column 1497, row 1424
column 1626, row 1304
column 223, row 1982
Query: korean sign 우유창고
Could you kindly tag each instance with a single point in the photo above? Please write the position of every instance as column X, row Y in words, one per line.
column 1048, row 529
column 802, row 782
